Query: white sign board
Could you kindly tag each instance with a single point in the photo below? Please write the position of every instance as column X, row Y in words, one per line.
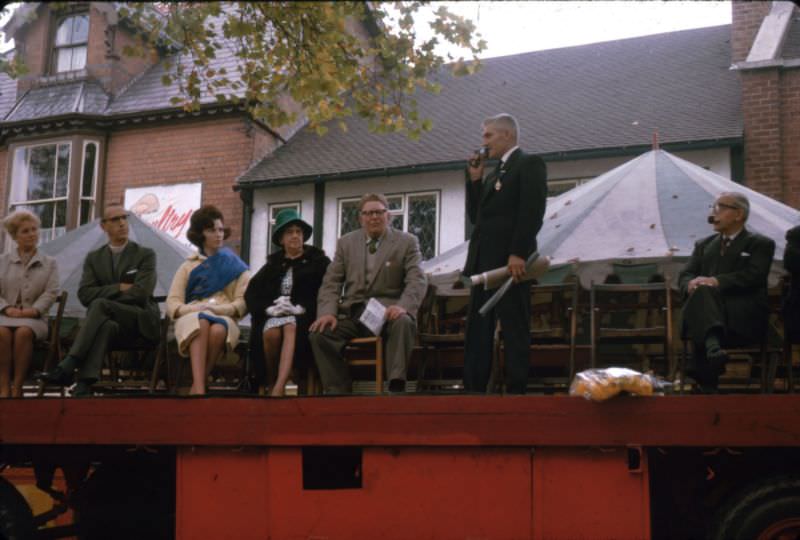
column 167, row 208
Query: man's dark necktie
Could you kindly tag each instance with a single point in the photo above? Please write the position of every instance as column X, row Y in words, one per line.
column 372, row 246
column 726, row 243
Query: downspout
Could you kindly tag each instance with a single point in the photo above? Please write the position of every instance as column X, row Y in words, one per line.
column 319, row 211
column 246, row 195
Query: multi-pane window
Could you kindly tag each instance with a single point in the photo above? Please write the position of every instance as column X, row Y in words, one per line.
column 88, row 182
column 274, row 210
column 416, row 213
column 70, row 43
column 40, row 181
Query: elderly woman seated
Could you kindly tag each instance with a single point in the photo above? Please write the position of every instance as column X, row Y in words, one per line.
column 28, row 287
column 282, row 300
column 206, row 298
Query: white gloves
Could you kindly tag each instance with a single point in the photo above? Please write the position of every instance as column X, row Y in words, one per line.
column 283, row 307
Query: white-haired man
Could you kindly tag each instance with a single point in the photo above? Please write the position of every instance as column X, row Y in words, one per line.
column 506, row 209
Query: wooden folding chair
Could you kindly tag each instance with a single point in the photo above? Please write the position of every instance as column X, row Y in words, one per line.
column 134, row 376
column 759, row 356
column 354, row 356
column 438, row 332
column 553, row 328
column 52, row 345
column 632, row 314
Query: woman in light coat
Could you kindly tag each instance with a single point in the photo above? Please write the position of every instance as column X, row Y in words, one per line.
column 28, row 287
column 206, row 298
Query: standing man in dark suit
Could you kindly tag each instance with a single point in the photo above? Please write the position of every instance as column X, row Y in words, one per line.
column 117, row 289
column 506, row 209
column 724, row 285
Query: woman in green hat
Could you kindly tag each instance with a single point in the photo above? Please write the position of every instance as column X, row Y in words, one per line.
column 282, row 300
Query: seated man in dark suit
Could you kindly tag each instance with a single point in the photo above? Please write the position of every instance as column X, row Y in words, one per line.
column 791, row 304
column 725, row 289
column 117, row 289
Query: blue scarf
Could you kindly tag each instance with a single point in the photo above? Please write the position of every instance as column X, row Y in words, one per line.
column 213, row 274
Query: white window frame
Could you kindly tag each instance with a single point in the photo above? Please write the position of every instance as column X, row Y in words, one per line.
column 46, row 234
column 70, row 46
column 272, row 210
column 402, row 211
column 93, row 197
column 575, row 182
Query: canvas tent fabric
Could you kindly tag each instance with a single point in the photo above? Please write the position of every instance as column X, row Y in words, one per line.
column 71, row 249
column 648, row 211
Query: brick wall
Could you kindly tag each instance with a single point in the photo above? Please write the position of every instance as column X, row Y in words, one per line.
column 761, row 115
column 770, row 113
column 214, row 152
column 110, row 67
column 746, row 20
column 33, row 43
column 790, row 129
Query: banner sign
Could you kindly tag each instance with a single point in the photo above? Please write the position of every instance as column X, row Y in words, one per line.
column 167, row 208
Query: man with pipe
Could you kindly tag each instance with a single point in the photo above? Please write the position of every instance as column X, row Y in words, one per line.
column 506, row 209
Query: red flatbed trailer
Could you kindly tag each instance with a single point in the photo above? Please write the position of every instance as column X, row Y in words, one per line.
column 418, row 466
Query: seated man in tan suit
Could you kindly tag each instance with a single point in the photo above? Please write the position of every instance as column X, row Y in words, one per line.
column 377, row 262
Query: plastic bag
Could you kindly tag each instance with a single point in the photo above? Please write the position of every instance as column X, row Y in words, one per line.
column 602, row 384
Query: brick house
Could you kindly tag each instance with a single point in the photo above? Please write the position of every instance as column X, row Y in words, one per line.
column 88, row 122
column 100, row 123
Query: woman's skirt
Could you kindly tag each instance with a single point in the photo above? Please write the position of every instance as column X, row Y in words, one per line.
column 39, row 326
column 187, row 327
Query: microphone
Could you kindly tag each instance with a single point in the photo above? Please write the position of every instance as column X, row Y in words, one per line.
column 710, row 220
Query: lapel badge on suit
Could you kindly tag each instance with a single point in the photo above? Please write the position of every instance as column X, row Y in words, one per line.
column 498, row 184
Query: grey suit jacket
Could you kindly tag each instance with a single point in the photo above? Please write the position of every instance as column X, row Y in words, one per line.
column 100, row 280
column 398, row 278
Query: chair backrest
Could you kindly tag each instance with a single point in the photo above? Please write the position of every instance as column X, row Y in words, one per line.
column 553, row 306
column 426, row 313
column 632, row 313
column 53, row 342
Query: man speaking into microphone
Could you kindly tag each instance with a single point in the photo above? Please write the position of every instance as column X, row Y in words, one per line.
column 506, row 209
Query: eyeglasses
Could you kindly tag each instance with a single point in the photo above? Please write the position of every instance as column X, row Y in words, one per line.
column 717, row 207
column 116, row 219
column 373, row 213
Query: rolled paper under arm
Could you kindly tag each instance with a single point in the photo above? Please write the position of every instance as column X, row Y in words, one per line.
column 493, row 278
column 535, row 267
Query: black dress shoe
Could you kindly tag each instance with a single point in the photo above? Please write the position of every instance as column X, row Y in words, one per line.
column 82, row 389
column 397, row 386
column 717, row 361
column 56, row 376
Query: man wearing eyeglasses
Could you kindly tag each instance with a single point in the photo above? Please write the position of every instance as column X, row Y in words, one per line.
column 375, row 261
column 506, row 208
column 724, row 285
column 117, row 289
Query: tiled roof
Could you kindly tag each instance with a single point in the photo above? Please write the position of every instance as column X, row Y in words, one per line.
column 78, row 97
column 8, row 94
column 148, row 92
column 603, row 95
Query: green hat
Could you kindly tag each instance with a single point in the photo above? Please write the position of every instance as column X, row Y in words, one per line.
column 286, row 217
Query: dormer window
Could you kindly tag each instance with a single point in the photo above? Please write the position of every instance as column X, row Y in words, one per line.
column 70, row 43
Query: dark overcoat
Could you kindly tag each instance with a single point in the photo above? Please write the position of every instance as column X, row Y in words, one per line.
column 264, row 289
column 506, row 221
